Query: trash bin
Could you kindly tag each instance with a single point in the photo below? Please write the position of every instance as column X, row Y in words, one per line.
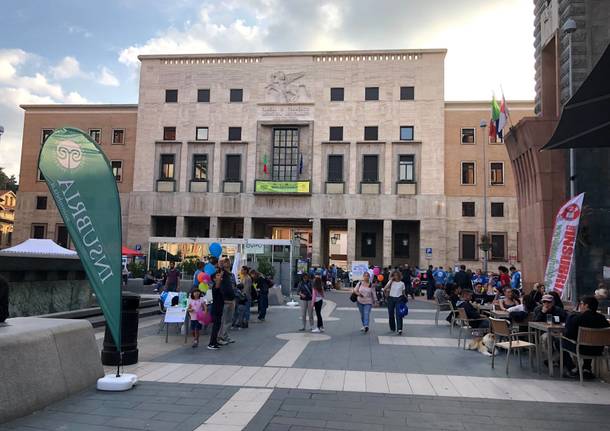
column 129, row 334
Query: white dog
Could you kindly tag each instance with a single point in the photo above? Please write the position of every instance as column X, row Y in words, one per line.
column 482, row 344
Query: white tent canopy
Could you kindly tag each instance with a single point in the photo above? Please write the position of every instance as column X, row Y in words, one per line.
column 39, row 248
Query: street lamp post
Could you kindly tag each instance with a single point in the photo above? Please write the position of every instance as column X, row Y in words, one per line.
column 569, row 27
column 483, row 125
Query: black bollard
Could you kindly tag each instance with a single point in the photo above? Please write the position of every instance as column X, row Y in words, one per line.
column 129, row 334
column 3, row 299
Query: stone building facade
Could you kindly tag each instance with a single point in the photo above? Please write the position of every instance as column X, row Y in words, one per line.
column 357, row 143
column 8, row 203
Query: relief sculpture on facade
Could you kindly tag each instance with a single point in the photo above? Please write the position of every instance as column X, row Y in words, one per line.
column 282, row 88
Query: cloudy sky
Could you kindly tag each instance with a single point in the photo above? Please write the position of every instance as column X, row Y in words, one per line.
column 75, row 51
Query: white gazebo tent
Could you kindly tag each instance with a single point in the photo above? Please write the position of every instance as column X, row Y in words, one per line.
column 39, row 248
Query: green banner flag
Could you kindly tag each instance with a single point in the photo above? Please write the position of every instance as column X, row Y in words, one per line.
column 84, row 189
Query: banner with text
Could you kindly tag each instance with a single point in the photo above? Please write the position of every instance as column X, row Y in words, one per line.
column 295, row 187
column 563, row 242
column 85, row 191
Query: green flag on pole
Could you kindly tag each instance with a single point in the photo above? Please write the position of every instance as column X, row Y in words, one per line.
column 84, row 189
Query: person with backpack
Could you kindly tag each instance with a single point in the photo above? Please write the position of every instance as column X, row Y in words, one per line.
column 305, row 294
column 395, row 292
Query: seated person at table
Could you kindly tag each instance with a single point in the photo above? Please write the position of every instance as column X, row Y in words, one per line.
column 510, row 299
column 587, row 317
column 471, row 311
column 556, row 299
column 452, row 291
column 538, row 292
column 547, row 308
column 519, row 313
column 440, row 295
column 601, row 294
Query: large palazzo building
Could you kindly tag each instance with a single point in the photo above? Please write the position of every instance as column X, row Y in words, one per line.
column 354, row 148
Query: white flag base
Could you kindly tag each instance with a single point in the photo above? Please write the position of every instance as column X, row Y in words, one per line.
column 110, row 382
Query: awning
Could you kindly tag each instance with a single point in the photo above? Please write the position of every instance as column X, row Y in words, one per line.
column 129, row 252
column 39, row 248
column 585, row 120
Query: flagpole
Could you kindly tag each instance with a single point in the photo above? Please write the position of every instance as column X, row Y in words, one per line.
column 505, row 107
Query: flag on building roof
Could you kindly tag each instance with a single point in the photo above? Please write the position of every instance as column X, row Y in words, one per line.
column 503, row 118
column 495, row 116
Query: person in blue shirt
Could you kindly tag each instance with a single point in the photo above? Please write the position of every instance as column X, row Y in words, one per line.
column 440, row 276
column 515, row 278
column 197, row 272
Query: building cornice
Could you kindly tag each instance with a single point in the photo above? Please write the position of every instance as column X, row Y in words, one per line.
column 80, row 106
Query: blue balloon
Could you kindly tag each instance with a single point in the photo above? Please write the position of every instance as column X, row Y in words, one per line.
column 209, row 269
column 215, row 249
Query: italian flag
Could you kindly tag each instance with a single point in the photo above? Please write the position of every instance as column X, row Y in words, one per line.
column 499, row 118
column 265, row 170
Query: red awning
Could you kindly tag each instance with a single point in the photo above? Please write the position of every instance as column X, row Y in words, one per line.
column 130, row 252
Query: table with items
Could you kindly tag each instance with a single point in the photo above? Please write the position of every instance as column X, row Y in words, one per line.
column 553, row 330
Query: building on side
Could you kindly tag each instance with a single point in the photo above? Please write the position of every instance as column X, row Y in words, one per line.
column 8, row 202
column 112, row 126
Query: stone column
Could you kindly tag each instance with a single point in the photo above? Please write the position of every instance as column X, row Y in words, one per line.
column 354, row 176
column 351, row 241
column 216, row 172
column 387, row 243
column 247, row 227
column 316, row 249
column 180, row 227
column 213, row 227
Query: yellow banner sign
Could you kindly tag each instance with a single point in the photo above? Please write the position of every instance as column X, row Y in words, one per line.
column 282, row 187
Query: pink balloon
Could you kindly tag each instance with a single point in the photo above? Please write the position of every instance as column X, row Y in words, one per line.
column 206, row 277
column 376, row 270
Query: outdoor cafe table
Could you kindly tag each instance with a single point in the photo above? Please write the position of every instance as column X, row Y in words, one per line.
column 553, row 330
column 496, row 314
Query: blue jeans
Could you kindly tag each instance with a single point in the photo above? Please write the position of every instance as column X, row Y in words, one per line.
column 394, row 320
column 365, row 312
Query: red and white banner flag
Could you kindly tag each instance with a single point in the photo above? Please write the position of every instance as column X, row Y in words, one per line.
column 563, row 244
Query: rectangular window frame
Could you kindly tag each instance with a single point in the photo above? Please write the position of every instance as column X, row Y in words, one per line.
column 365, row 249
column 41, row 202
column 332, row 176
column 467, row 206
column 407, row 93
column 117, row 173
column 337, row 94
column 200, row 166
column 122, row 134
column 465, row 133
column 462, row 163
column 44, row 227
column 400, row 250
column 202, row 128
column 370, row 180
column 228, row 177
column 234, row 134
column 492, row 174
column 170, row 95
column 99, row 135
column 286, row 157
column 164, row 167
column 335, row 133
column 476, row 246
column 406, row 129
column 493, row 205
column 203, row 95
column 168, row 132
column 236, row 95
column 504, row 256
column 403, row 160
column 371, row 130
column 371, row 94
column 44, row 134
column 40, row 177
column 57, row 230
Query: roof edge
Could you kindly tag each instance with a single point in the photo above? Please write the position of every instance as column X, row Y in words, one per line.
column 80, row 106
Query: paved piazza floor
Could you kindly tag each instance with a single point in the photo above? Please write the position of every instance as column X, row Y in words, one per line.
column 275, row 378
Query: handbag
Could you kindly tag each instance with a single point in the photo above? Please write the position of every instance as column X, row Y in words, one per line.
column 403, row 309
column 353, row 297
column 204, row 317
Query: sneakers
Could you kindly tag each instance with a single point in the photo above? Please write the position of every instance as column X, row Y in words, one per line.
column 321, row 329
column 366, row 329
column 213, row 347
column 400, row 332
column 302, row 329
column 316, row 330
column 222, row 342
column 195, row 344
column 362, row 329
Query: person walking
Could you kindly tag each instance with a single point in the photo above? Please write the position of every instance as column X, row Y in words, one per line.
column 431, row 284
column 318, row 300
column 305, row 294
column 217, row 308
column 262, row 286
column 246, row 281
column 365, row 299
column 395, row 291
column 228, row 286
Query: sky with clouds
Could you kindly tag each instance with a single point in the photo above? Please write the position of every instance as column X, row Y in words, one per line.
column 74, row 51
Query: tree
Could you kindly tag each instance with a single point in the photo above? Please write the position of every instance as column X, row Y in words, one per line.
column 8, row 183
column 265, row 267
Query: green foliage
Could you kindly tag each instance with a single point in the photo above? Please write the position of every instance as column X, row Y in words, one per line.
column 8, row 183
column 265, row 267
column 137, row 269
column 189, row 265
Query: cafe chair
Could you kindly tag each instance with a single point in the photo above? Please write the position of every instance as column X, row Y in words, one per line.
column 464, row 324
column 454, row 315
column 590, row 337
column 501, row 328
column 440, row 306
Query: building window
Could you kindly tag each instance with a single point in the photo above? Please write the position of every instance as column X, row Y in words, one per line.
column 233, row 167
column 234, row 133
column 370, row 168
column 118, row 136
column 371, row 93
column 39, row 231
column 96, row 135
column 401, row 245
column 45, row 134
column 62, row 237
column 117, row 170
column 171, row 96
column 286, row 157
column 368, row 244
column 468, row 173
column 406, row 133
column 498, row 246
column 406, row 168
column 236, row 95
column 335, row 168
column 169, row 133
column 163, row 226
column 371, row 133
column 468, row 209
column 496, row 173
column 468, row 135
column 200, row 167
column 497, row 209
column 468, row 246
column 41, row 202
column 203, row 95
column 201, row 133
column 407, row 93
column 40, row 176
column 337, row 94
column 335, row 133
column 168, row 165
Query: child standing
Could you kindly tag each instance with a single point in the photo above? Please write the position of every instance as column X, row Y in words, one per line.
column 195, row 305
column 318, row 299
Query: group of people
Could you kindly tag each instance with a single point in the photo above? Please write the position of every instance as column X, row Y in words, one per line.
column 228, row 305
